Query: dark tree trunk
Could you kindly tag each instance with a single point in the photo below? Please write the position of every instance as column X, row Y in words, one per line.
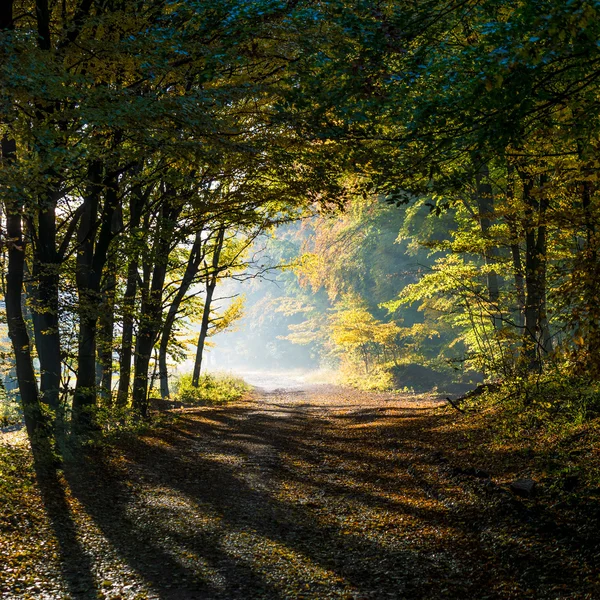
column 191, row 271
column 515, row 250
column 485, row 204
column 46, row 261
column 126, row 354
column 590, row 280
column 211, row 284
column 536, row 339
column 43, row 24
column 6, row 21
column 106, row 335
column 91, row 258
column 46, row 306
column 151, row 309
column 85, row 387
column 35, row 421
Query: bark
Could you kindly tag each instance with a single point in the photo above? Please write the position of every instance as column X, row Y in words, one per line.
column 135, row 209
column 151, row 309
column 46, row 259
column 42, row 12
column 536, row 342
column 485, row 204
column 591, row 285
column 193, row 265
column 106, row 336
column 6, row 20
column 515, row 251
column 211, row 284
column 91, row 258
column 46, row 322
column 35, row 421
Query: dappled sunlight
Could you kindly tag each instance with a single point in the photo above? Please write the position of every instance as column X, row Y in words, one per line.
column 327, row 494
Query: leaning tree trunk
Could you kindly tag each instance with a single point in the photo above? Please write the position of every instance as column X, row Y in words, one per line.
column 151, row 309
column 191, row 270
column 211, row 284
column 35, row 420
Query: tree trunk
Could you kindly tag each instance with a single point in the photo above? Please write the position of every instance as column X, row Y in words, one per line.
column 151, row 309
column 46, row 325
column 106, row 336
column 191, row 271
column 35, row 421
column 536, row 335
column 85, row 387
column 135, row 210
column 590, row 278
column 6, row 24
column 211, row 284
column 485, row 204
column 515, row 250
column 91, row 259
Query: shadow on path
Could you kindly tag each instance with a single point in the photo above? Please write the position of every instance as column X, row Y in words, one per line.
column 274, row 501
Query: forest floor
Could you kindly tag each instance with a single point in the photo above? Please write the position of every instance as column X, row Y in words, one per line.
column 317, row 493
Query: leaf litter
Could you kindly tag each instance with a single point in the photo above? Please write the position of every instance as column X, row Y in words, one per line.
column 329, row 493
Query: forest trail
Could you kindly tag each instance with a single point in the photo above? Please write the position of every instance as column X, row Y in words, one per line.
column 317, row 493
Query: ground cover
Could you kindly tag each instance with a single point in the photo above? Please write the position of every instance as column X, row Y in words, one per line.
column 324, row 492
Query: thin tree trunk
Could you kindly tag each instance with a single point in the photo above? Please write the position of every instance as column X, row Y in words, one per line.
column 589, row 275
column 191, row 271
column 85, row 387
column 106, row 336
column 485, row 204
column 150, row 314
column 135, row 210
column 515, row 250
column 536, row 336
column 211, row 284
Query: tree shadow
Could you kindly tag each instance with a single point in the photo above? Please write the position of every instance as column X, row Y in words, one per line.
column 198, row 510
column 75, row 562
column 273, row 526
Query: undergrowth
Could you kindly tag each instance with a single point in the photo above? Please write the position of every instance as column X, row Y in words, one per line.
column 553, row 420
column 378, row 380
column 212, row 389
column 10, row 410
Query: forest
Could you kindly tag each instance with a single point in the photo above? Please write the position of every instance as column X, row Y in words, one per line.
column 420, row 179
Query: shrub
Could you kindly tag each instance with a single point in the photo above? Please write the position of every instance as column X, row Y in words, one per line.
column 212, row 389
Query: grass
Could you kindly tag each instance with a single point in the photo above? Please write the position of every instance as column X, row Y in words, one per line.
column 213, row 389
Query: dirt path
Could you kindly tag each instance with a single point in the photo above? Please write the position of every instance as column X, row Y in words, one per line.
column 321, row 493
